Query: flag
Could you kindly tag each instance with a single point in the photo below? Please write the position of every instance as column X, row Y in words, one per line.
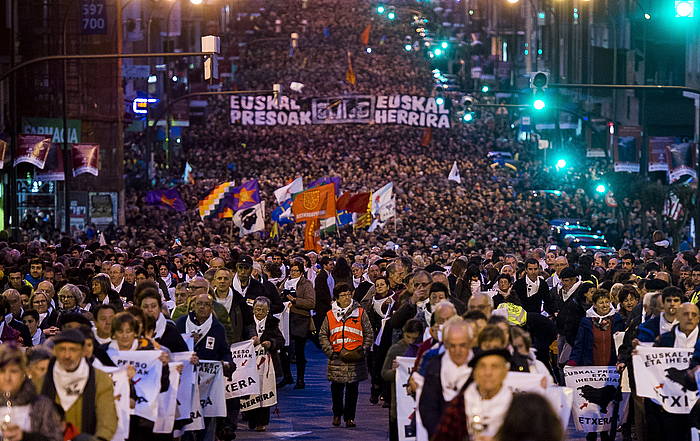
column 312, row 235
column 285, row 193
column 357, row 203
column 363, row 220
column 53, row 167
column 350, row 74
column 314, row 203
column 213, row 204
column 3, row 152
column 187, row 176
column 251, row 219
column 340, row 220
column 454, row 174
column 335, row 180
column 384, row 203
column 283, row 214
column 167, row 198
column 244, row 196
column 33, row 149
column 364, row 36
column 275, row 230
column 427, row 137
column 86, row 159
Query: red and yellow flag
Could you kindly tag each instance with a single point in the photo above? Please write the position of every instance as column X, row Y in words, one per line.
column 315, row 203
column 312, row 235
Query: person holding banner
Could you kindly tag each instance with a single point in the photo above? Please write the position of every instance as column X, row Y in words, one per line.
column 378, row 309
column 660, row 424
column 150, row 302
column 126, row 336
column 345, row 337
column 269, row 336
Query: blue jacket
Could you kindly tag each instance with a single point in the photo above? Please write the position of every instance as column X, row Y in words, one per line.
column 218, row 347
column 649, row 330
column 582, row 352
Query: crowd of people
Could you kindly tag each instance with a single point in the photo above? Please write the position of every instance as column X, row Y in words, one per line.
column 468, row 280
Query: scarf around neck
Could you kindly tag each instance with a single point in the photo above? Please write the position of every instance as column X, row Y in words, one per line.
column 237, row 285
column 160, row 326
column 342, row 314
column 226, row 301
column 70, row 385
column 195, row 330
column 600, row 321
column 291, row 284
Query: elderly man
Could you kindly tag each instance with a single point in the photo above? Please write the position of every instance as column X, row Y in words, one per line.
column 416, row 304
column 47, row 288
column 482, row 407
column 662, row 425
column 198, row 286
column 14, row 302
column 86, row 394
column 481, row 302
column 121, row 286
column 559, row 264
column 446, row 374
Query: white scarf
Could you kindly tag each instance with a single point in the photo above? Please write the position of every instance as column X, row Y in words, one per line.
column 291, row 284
column 70, row 385
column 113, row 348
column 260, row 325
column 237, row 285
column 591, row 313
column 356, row 281
column 566, row 294
column 167, row 279
column 227, row 301
column 686, row 342
column 42, row 317
column 664, row 325
column 118, row 288
column 492, row 412
column 339, row 312
column 377, row 305
column 36, row 338
column 160, row 326
column 193, row 329
column 532, row 287
column 452, row 377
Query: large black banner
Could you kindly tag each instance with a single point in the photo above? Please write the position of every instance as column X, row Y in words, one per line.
column 409, row 110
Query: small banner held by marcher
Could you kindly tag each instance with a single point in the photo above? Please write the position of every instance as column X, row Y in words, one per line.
column 244, row 380
column 405, row 403
column 661, row 374
column 595, row 388
column 284, row 322
column 185, row 393
column 120, row 381
column 267, row 381
column 146, row 382
column 211, row 388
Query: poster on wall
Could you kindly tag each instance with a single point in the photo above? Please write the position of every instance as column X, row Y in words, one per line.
column 103, row 208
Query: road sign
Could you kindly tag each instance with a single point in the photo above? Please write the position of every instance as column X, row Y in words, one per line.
column 93, row 17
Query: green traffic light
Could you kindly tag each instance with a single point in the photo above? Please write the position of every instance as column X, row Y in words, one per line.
column 539, row 104
column 381, row 9
column 485, row 89
column 468, row 117
column 391, row 15
column 444, row 45
column 685, row 8
column 600, row 188
column 439, row 101
column 437, row 52
column 561, row 163
column 408, row 47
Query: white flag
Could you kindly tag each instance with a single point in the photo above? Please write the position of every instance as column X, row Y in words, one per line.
column 662, row 375
column 120, row 380
column 167, row 402
column 250, row 219
column 210, row 375
column 454, row 174
column 244, row 380
column 284, row 193
column 384, row 203
column 146, row 382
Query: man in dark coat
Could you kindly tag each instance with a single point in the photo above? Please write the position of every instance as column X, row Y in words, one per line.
column 121, row 286
column 533, row 290
column 324, row 284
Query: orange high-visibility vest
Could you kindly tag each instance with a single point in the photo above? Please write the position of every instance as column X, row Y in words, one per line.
column 345, row 334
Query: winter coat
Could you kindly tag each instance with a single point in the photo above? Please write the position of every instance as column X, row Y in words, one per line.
column 340, row 371
column 535, row 302
column 218, row 350
column 300, row 311
column 44, row 415
column 582, row 352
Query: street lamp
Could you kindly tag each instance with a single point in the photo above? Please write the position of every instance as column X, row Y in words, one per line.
column 196, row 2
column 538, row 104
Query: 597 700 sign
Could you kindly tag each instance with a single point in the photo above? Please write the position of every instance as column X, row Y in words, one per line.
column 93, row 17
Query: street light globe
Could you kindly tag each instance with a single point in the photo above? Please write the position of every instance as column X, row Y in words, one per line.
column 512, row 2
column 561, row 163
column 684, row 8
column 196, row 2
column 538, row 104
column 600, row 188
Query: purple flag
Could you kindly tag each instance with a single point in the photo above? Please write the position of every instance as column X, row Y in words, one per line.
column 166, row 198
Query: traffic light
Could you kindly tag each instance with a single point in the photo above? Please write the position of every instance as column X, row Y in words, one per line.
column 561, row 163
column 485, row 88
column 601, row 188
column 437, row 52
column 539, row 104
column 685, row 8
column 444, row 45
column 539, row 80
column 439, row 100
column 407, row 47
column 391, row 15
column 468, row 117
column 381, row 9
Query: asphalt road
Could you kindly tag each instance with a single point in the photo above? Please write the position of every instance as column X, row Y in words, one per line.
column 306, row 414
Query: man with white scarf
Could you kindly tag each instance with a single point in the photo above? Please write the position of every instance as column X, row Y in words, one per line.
column 86, row 394
column 209, row 344
column 533, row 290
column 447, row 373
